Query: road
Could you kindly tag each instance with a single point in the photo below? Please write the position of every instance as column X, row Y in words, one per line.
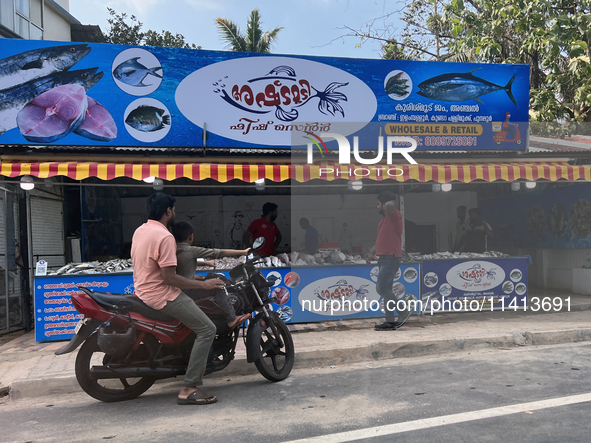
column 530, row 394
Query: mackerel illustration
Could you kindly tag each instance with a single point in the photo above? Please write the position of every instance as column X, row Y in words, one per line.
column 30, row 65
column 12, row 100
column 459, row 87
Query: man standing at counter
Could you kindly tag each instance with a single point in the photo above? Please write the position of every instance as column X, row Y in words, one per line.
column 264, row 227
column 388, row 249
column 478, row 233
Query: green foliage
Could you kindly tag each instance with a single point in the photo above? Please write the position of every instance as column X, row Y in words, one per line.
column 551, row 36
column 254, row 40
column 127, row 30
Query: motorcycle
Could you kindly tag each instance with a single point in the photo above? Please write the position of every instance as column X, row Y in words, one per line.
column 127, row 346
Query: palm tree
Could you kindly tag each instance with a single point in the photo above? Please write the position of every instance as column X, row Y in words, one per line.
column 253, row 41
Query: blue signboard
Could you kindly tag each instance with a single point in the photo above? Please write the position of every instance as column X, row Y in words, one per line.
column 474, row 285
column 60, row 93
column 56, row 317
column 345, row 292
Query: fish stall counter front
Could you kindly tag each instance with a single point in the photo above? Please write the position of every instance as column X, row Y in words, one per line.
column 338, row 292
column 56, row 318
column 304, row 294
column 474, row 284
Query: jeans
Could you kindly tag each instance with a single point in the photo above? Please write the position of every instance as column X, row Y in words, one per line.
column 388, row 267
column 219, row 297
column 188, row 313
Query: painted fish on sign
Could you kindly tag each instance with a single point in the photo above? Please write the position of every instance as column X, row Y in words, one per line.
column 264, row 98
column 319, row 295
column 475, row 276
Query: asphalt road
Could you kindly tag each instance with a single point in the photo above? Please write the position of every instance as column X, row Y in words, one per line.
column 533, row 394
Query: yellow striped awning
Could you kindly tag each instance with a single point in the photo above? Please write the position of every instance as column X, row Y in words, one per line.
column 222, row 173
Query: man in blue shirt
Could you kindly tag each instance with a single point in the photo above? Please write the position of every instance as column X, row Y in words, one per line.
column 311, row 240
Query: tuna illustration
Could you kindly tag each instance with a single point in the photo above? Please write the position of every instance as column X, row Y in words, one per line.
column 282, row 92
column 30, row 65
column 53, row 114
column 147, row 118
column 98, row 124
column 459, row 87
column 12, row 100
column 133, row 73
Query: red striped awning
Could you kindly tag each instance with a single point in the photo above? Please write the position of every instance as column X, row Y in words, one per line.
column 222, row 173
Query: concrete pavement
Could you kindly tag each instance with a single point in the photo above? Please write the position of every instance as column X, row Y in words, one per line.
column 30, row 369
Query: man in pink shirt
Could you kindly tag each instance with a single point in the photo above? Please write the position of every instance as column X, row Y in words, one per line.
column 153, row 255
column 388, row 249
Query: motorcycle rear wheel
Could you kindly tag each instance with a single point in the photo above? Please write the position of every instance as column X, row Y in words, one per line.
column 275, row 364
column 108, row 390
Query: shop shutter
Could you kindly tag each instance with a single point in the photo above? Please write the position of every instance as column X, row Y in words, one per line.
column 47, row 225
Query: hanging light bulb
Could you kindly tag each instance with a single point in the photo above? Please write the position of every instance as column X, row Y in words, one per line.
column 515, row 186
column 260, row 184
column 27, row 183
column 435, row 187
column 150, row 179
column 158, row 184
column 446, row 187
column 530, row 185
column 355, row 185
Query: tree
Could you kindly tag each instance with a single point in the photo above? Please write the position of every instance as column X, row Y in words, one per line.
column 253, row 41
column 552, row 36
column 123, row 33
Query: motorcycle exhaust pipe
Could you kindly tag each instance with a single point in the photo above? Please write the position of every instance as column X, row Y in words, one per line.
column 103, row 372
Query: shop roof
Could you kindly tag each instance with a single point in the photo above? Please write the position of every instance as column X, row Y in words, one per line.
column 329, row 171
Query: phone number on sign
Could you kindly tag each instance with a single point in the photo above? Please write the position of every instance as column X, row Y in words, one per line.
column 450, row 141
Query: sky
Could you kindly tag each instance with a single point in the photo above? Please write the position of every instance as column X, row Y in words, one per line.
column 311, row 27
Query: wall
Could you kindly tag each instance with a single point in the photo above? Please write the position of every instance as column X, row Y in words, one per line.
column 55, row 26
column 218, row 220
column 439, row 208
column 327, row 213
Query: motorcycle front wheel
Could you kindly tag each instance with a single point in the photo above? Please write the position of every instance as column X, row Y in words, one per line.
column 275, row 363
column 108, row 390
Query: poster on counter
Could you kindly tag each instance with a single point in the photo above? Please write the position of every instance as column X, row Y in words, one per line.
column 474, row 285
column 56, row 317
column 142, row 96
column 345, row 292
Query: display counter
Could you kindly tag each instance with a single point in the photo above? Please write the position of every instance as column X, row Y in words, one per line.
column 474, row 284
column 323, row 293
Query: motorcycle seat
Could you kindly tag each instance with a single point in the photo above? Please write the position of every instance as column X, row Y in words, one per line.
column 129, row 302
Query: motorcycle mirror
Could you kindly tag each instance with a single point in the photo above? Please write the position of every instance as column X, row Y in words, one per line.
column 258, row 243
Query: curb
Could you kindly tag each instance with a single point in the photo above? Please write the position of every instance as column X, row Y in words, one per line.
column 30, row 388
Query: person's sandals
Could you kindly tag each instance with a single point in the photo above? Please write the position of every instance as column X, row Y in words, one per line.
column 197, row 397
column 385, row 327
column 239, row 320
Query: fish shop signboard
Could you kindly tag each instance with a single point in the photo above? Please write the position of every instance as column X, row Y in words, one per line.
column 57, row 93
column 474, row 285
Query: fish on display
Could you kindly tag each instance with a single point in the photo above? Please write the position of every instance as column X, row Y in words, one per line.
column 12, row 100
column 147, row 118
column 133, row 73
column 459, row 87
column 30, row 65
